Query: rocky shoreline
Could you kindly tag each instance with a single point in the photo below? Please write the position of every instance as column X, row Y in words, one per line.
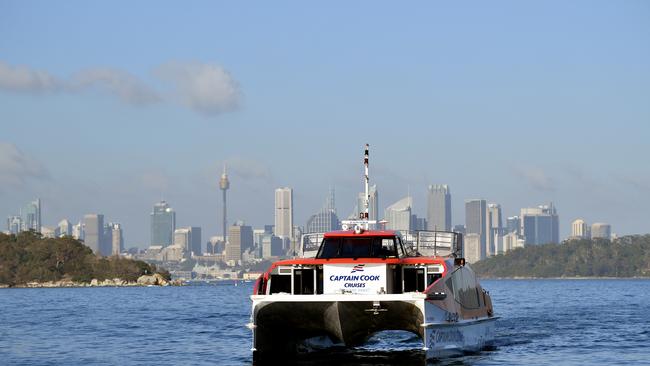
column 145, row 280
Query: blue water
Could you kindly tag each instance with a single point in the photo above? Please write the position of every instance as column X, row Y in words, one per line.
column 560, row 322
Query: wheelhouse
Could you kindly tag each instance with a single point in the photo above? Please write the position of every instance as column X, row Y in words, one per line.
column 357, row 257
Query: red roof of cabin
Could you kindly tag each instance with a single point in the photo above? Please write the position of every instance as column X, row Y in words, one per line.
column 352, row 234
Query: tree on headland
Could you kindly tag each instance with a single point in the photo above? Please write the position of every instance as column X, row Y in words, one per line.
column 28, row 257
column 628, row 256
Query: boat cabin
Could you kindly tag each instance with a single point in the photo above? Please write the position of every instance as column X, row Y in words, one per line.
column 364, row 262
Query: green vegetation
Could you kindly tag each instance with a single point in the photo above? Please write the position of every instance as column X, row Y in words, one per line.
column 628, row 256
column 28, row 257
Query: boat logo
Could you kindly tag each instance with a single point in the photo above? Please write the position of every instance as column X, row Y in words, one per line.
column 357, row 268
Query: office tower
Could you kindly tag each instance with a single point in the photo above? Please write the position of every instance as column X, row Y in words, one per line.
column 182, row 238
column 78, row 231
column 195, row 240
column 106, row 247
column 398, row 215
column 284, row 212
column 94, row 232
column 494, row 228
column 14, row 224
column 579, row 229
column 117, row 239
column 163, row 224
column 189, row 239
column 473, row 251
column 224, row 185
column 240, row 239
column 31, row 216
column 326, row 219
column 271, row 246
column 513, row 225
column 65, row 228
column 439, row 207
column 459, row 229
column 476, row 222
column 540, row 225
column 601, row 230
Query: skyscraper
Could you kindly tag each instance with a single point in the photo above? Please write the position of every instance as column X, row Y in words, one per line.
column 224, row 185
column 195, row 240
column 284, row 212
column 107, row 240
column 240, row 239
column 326, row 219
column 476, row 222
column 398, row 215
column 31, row 216
column 117, row 239
column 439, row 207
column 540, row 225
column 513, row 225
column 579, row 229
column 494, row 229
column 163, row 224
column 94, row 232
column 601, row 230
column 182, row 238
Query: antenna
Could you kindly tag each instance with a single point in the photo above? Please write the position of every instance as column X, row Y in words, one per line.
column 362, row 223
column 366, row 202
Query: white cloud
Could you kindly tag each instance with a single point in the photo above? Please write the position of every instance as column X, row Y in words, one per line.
column 208, row 89
column 536, row 178
column 24, row 79
column 117, row 82
column 17, row 169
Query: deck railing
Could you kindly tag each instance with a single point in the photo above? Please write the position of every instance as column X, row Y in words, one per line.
column 433, row 243
column 426, row 243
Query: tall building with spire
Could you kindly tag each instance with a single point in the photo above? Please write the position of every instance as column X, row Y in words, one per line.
column 224, row 185
column 326, row 219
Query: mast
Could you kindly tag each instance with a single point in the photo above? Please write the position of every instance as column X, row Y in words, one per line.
column 367, row 181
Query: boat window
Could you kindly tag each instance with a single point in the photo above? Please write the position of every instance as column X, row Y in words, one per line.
column 355, row 248
column 463, row 286
column 329, row 248
column 361, row 247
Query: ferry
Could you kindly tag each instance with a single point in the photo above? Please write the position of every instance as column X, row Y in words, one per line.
column 344, row 286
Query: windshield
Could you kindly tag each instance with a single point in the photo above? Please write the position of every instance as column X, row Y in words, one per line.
column 368, row 247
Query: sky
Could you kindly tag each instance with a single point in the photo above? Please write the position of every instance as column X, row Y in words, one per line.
column 110, row 107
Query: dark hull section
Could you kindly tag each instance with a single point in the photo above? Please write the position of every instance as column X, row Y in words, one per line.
column 282, row 327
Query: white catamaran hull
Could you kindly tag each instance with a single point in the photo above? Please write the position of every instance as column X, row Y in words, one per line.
column 281, row 323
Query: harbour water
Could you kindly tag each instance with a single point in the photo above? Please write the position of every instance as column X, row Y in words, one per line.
column 560, row 322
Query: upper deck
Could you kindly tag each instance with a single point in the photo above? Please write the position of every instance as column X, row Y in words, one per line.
column 380, row 244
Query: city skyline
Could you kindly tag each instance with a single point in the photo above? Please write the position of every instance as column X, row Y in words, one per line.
column 544, row 114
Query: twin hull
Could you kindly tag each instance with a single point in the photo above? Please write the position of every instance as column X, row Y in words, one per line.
column 283, row 322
